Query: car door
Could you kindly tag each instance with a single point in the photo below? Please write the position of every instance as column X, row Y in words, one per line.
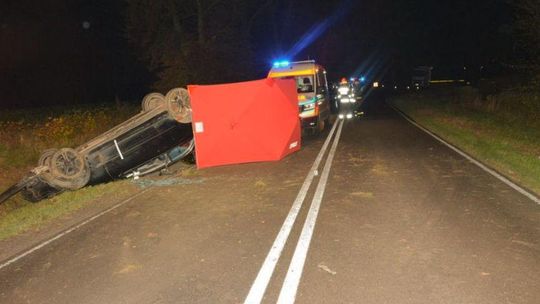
column 323, row 93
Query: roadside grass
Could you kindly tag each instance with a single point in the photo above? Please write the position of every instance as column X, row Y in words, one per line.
column 507, row 140
column 24, row 134
column 19, row 216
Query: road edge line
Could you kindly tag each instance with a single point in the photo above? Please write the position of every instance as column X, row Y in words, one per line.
column 478, row 163
column 26, row 252
column 258, row 288
column 290, row 285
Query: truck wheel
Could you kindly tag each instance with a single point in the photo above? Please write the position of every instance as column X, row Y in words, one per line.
column 319, row 128
column 67, row 170
column 152, row 101
column 179, row 104
column 321, row 125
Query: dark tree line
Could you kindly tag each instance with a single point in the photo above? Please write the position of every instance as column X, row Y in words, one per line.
column 209, row 41
column 206, row 41
column 79, row 51
column 527, row 29
column 195, row 41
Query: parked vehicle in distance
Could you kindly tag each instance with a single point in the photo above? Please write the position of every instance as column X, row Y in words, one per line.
column 421, row 77
column 159, row 135
column 312, row 87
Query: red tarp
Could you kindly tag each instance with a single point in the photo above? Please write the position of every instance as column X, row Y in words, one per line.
column 244, row 122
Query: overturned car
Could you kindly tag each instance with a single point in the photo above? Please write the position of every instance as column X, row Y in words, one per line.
column 156, row 137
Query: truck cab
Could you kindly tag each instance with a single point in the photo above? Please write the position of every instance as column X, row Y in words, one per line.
column 312, row 89
column 421, row 77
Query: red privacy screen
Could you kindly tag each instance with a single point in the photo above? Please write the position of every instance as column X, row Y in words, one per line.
column 244, row 122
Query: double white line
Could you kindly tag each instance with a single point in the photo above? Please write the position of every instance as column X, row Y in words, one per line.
column 292, row 280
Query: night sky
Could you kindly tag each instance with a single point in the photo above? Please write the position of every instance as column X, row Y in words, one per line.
column 81, row 51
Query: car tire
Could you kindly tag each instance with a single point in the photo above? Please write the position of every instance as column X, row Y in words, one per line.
column 46, row 156
column 152, row 101
column 179, row 104
column 68, row 169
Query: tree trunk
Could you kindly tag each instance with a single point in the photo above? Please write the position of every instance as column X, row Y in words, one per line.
column 201, row 23
column 174, row 14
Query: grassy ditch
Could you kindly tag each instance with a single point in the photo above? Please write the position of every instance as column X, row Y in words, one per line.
column 18, row 216
column 24, row 134
column 502, row 131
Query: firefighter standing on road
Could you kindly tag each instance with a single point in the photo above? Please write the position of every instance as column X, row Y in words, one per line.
column 346, row 98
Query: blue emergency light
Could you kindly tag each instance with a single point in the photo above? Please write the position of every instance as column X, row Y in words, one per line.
column 281, row 63
column 362, row 79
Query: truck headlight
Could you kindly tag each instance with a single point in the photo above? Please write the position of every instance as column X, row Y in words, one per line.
column 309, row 106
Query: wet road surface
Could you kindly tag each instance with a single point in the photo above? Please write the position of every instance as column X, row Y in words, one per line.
column 403, row 219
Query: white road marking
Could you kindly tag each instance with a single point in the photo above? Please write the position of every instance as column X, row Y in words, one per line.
column 47, row 242
column 499, row 176
column 260, row 284
column 292, row 280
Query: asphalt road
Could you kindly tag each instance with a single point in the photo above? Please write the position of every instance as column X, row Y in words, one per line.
column 403, row 219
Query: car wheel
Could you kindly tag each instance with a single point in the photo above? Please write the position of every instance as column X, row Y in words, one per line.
column 45, row 157
column 68, row 169
column 179, row 104
column 152, row 101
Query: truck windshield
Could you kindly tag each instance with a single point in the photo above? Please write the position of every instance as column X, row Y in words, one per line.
column 304, row 83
